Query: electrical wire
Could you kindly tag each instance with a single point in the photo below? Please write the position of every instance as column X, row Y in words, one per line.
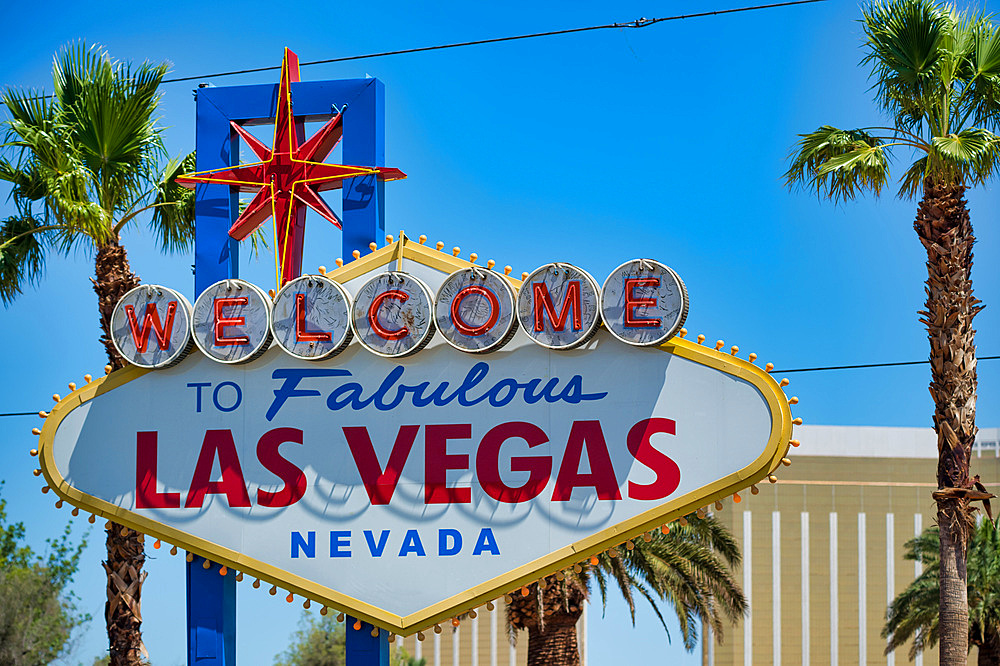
column 870, row 365
column 638, row 23
column 816, row 369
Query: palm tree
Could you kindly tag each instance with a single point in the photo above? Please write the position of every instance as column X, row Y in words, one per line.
column 936, row 73
column 687, row 567
column 914, row 613
column 84, row 164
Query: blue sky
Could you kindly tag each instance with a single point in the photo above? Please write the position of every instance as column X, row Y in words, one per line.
column 593, row 148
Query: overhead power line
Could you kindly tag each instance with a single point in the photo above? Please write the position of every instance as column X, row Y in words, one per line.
column 638, row 23
column 816, row 369
column 871, row 365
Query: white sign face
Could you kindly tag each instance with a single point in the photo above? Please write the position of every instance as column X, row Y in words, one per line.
column 142, row 337
column 405, row 491
column 644, row 302
column 474, row 310
column 392, row 315
column 559, row 306
column 311, row 318
column 232, row 321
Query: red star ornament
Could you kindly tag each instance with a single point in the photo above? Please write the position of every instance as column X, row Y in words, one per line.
column 289, row 176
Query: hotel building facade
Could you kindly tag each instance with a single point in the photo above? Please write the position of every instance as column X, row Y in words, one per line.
column 823, row 547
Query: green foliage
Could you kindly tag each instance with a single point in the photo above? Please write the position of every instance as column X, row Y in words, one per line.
column 84, row 164
column 689, row 568
column 936, row 74
column 322, row 641
column 319, row 641
column 37, row 613
column 914, row 612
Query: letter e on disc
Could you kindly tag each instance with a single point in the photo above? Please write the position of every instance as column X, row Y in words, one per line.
column 644, row 302
column 232, row 321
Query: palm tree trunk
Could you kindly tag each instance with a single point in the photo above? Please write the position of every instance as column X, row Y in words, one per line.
column 126, row 556
column 989, row 650
column 555, row 645
column 550, row 620
column 945, row 231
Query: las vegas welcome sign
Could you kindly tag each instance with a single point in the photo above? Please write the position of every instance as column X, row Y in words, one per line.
column 412, row 435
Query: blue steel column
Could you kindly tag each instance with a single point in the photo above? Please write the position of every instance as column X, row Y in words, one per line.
column 364, row 145
column 211, row 615
column 211, row 598
column 363, row 649
column 364, row 223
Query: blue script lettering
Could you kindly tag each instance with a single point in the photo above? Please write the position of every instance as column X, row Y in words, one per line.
column 391, row 393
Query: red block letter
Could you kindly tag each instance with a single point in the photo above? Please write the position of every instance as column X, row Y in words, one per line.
column 301, row 333
column 456, row 316
column 146, row 496
column 378, row 484
column 488, row 463
column 602, row 472
column 218, row 443
column 221, row 321
column 668, row 474
column 270, row 458
column 376, row 305
column 437, row 462
column 151, row 321
column 543, row 305
column 631, row 303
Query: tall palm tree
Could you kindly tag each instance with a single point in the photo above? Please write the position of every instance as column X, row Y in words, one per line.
column 687, row 568
column 84, row 164
column 936, row 74
column 914, row 612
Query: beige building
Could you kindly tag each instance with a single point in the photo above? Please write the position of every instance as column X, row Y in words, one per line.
column 823, row 548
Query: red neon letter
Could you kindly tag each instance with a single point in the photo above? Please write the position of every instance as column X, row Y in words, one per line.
column 221, row 321
column 437, row 462
column 543, row 305
column 146, row 496
column 378, row 484
column 632, row 302
column 151, row 320
column 456, row 316
column 301, row 334
column 218, row 443
column 488, row 463
column 602, row 472
column 668, row 474
column 380, row 331
column 270, row 458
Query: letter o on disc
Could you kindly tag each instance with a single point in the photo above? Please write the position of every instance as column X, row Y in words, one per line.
column 474, row 310
column 232, row 321
column 392, row 315
column 311, row 318
column 644, row 302
column 559, row 306
column 151, row 326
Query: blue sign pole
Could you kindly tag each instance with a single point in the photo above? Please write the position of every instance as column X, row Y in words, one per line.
column 211, row 598
column 363, row 649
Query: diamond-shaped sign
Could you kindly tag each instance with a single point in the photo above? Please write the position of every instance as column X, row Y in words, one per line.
column 407, row 490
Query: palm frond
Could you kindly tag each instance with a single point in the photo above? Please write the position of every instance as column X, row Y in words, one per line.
column 838, row 164
column 904, row 40
column 22, row 255
column 173, row 217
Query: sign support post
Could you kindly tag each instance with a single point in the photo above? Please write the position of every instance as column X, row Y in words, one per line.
column 211, row 598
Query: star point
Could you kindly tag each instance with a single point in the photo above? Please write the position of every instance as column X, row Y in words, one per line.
column 289, row 176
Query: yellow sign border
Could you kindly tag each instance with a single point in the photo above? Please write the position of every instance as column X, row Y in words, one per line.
column 769, row 459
